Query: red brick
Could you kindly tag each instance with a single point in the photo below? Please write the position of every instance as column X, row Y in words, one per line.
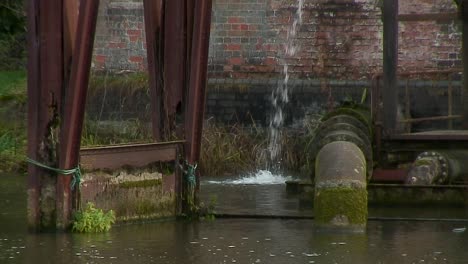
column 236, row 61
column 235, row 20
column 135, row 59
column 270, row 61
column 100, row 58
column 232, row 47
column 134, row 32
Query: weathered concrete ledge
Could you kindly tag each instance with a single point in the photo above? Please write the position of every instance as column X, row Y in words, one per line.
column 395, row 194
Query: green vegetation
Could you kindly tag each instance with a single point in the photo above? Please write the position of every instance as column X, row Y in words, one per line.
column 238, row 149
column 348, row 202
column 12, row 120
column 12, row 35
column 12, row 86
column 92, row 220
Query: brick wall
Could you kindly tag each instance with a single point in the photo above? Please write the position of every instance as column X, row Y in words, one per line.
column 339, row 39
column 120, row 43
column 339, row 50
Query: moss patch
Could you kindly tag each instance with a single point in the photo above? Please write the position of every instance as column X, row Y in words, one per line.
column 348, row 202
column 140, row 184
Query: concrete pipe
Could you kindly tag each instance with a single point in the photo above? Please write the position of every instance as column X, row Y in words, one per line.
column 439, row 167
column 341, row 186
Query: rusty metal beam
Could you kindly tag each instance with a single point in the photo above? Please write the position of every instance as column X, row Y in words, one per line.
column 197, row 81
column 45, row 82
column 154, row 28
column 390, row 64
column 75, row 105
column 463, row 8
column 175, row 62
column 433, row 118
column 34, row 92
column 70, row 20
column 135, row 155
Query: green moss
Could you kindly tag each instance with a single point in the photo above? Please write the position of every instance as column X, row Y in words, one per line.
column 141, row 184
column 146, row 209
column 352, row 203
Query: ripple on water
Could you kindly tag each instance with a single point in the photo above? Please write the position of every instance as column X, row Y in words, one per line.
column 262, row 177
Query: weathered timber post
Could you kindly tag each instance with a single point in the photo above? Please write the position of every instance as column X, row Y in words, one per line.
column 340, row 187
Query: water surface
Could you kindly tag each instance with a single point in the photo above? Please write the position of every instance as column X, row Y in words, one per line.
column 229, row 240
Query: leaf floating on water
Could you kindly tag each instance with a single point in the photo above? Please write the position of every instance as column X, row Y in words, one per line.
column 311, row 255
column 341, row 243
column 231, row 246
column 459, row 230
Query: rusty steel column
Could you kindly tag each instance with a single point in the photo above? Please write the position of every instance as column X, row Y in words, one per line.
column 154, row 28
column 175, row 64
column 70, row 20
column 390, row 65
column 463, row 11
column 45, row 82
column 197, row 82
column 75, row 106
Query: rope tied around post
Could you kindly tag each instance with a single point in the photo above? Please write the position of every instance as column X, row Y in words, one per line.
column 75, row 172
column 190, row 175
column 189, row 172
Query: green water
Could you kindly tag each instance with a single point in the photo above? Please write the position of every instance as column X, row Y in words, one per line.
column 228, row 240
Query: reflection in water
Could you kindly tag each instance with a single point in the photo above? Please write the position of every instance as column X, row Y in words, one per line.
column 228, row 240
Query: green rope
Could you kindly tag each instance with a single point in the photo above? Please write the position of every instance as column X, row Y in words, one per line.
column 190, row 174
column 76, row 172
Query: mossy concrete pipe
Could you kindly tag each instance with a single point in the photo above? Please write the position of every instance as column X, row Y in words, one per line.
column 341, row 187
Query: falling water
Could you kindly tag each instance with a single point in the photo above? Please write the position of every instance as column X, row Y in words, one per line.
column 279, row 96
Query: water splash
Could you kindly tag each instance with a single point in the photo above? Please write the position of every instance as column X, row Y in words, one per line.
column 279, row 96
column 262, row 177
